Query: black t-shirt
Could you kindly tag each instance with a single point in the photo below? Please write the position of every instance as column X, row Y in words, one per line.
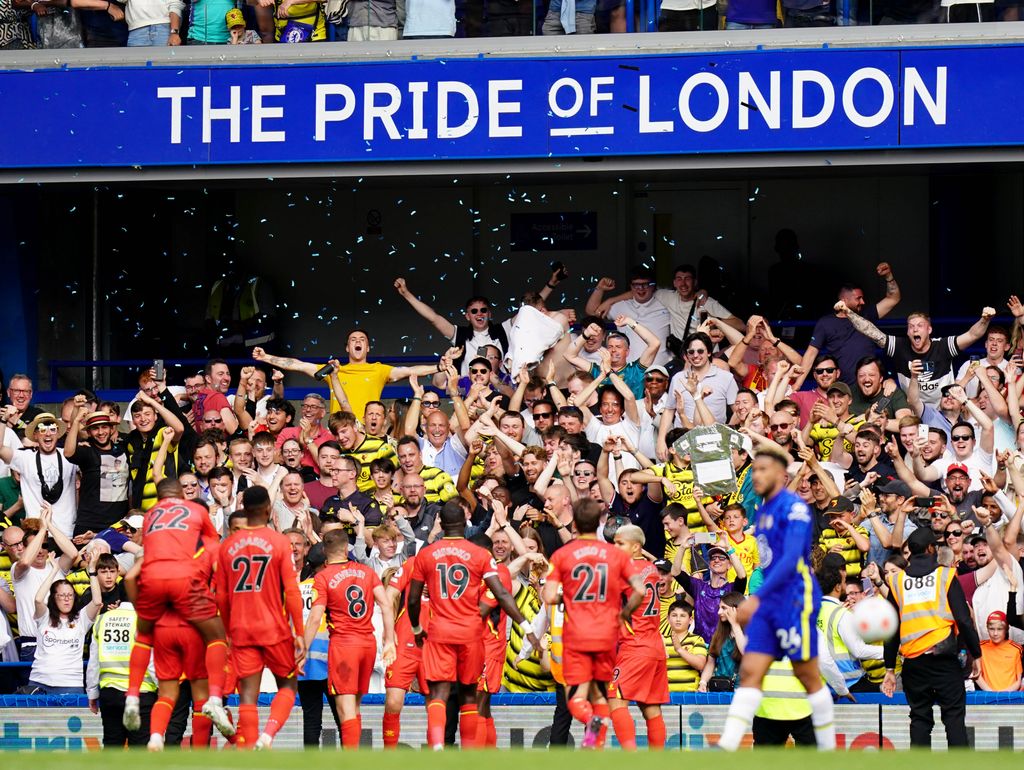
column 365, row 505
column 897, row 401
column 521, row 493
column 103, row 496
column 883, row 468
column 646, row 514
column 939, row 361
column 838, row 338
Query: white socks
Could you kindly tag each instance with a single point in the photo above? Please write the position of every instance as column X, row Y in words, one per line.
column 822, row 716
column 741, row 713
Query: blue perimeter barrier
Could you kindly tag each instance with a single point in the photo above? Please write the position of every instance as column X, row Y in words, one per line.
column 538, row 699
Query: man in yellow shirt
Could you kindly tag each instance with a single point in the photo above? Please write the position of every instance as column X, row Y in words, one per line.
column 361, row 380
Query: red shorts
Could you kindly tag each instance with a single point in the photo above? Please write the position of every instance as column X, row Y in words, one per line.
column 640, row 678
column 408, row 666
column 349, row 668
column 462, row 663
column 494, row 668
column 189, row 597
column 579, row 667
column 279, row 658
column 178, row 651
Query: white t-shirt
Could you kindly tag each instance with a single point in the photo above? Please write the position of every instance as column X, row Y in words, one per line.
column 25, row 589
column 11, row 441
column 653, row 316
column 979, row 460
column 649, row 426
column 533, row 333
column 474, row 345
column 59, row 652
column 723, row 392
column 993, row 595
column 973, row 387
column 679, row 309
column 597, row 432
column 66, row 508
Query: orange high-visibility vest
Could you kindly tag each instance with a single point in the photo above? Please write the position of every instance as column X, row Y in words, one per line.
column 925, row 615
column 556, row 617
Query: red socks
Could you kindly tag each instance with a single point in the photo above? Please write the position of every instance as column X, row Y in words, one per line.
column 248, row 725
column 160, row 715
column 581, row 709
column 201, row 725
column 601, row 710
column 625, row 730
column 138, row 662
column 280, row 709
column 468, row 719
column 656, row 733
column 436, row 718
column 392, row 729
column 492, row 733
column 350, row 734
column 216, row 664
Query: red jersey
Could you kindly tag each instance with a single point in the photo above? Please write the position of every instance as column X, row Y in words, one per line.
column 644, row 632
column 208, row 400
column 594, row 575
column 173, row 533
column 346, row 591
column 453, row 571
column 400, row 582
column 496, row 636
column 256, row 584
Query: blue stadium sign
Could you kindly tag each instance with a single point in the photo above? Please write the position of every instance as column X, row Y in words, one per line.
column 757, row 101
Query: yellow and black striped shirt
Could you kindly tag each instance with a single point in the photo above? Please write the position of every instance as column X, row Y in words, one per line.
column 439, row 485
column 682, row 677
column 371, row 448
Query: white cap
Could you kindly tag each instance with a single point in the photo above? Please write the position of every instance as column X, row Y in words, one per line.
column 135, row 520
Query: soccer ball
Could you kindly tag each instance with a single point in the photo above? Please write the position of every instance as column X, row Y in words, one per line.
column 875, row 619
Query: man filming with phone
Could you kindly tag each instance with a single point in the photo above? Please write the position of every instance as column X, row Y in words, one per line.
column 708, row 591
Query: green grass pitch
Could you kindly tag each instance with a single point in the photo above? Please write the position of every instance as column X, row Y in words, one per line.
column 784, row 759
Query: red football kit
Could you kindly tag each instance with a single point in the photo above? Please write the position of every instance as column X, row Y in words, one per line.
column 641, row 669
column 174, row 532
column 453, row 570
column 495, row 636
column 594, row 575
column 346, row 592
column 408, row 663
column 257, row 593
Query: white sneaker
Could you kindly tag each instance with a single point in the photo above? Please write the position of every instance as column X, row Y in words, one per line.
column 156, row 742
column 132, row 720
column 263, row 743
column 217, row 714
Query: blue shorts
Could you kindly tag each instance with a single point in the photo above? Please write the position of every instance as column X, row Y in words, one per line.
column 785, row 628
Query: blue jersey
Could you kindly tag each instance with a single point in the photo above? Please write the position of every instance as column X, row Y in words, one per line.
column 785, row 622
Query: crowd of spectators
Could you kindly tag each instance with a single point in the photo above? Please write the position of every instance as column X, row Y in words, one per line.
column 651, row 401
column 111, row 23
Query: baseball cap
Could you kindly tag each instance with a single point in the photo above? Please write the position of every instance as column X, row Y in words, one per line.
column 717, row 549
column 920, row 539
column 134, row 521
column 839, row 505
column 997, row 615
column 234, row 18
column 657, row 368
column 842, row 387
column 894, row 487
column 663, row 566
column 957, row 468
